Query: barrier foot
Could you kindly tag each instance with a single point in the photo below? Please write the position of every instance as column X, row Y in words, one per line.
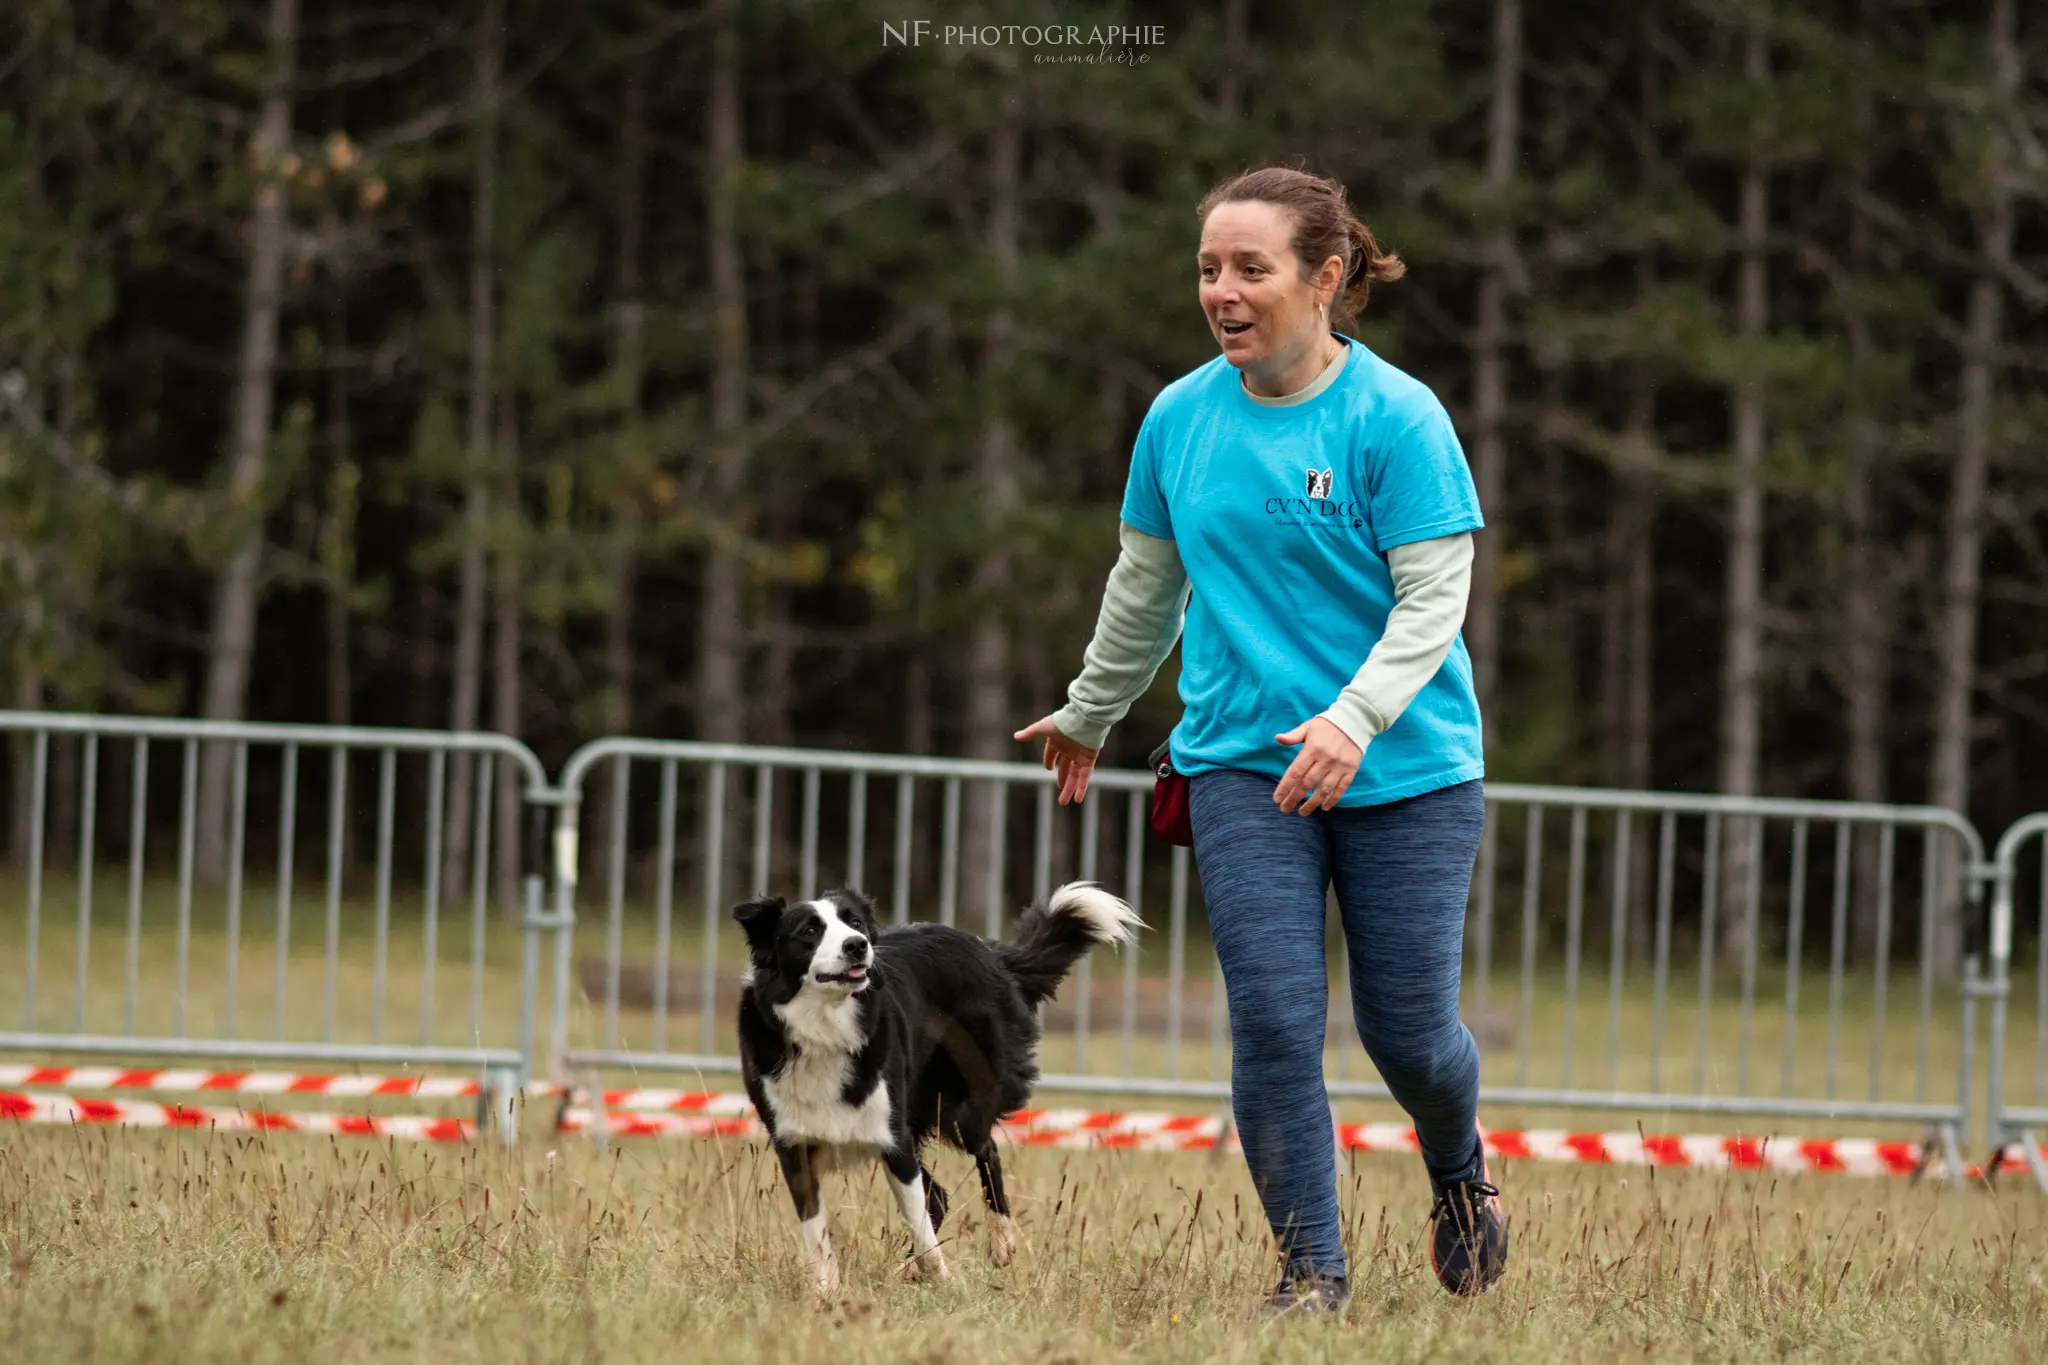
column 1223, row 1136
column 599, row 1131
column 2031, row 1145
column 1951, row 1154
column 498, row 1106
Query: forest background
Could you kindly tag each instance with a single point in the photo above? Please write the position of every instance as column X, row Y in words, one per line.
column 767, row 372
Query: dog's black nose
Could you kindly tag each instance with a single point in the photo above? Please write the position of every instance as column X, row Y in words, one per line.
column 855, row 949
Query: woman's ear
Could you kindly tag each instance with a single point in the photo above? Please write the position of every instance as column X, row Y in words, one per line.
column 760, row 919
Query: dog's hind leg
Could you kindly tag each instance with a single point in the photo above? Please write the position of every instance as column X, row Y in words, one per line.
column 804, row 1172
column 1002, row 1229
column 935, row 1201
column 907, row 1179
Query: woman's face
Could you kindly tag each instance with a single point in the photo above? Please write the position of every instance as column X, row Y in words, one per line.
column 1261, row 311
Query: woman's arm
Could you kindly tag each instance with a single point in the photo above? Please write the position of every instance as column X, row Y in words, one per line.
column 1432, row 581
column 1143, row 606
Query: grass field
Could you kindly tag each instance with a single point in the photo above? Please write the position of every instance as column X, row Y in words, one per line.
column 189, row 1247
column 182, row 1246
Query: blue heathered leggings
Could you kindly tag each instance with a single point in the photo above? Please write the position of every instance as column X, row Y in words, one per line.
column 1402, row 873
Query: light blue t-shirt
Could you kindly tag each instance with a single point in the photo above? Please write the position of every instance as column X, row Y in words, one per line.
column 1283, row 517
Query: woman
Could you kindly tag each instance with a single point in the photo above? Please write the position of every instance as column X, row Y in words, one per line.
column 1307, row 509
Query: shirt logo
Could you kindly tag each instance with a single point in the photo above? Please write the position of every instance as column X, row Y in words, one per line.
column 1319, row 482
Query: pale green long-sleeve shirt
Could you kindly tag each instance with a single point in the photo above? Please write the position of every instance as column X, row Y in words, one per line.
column 1146, row 600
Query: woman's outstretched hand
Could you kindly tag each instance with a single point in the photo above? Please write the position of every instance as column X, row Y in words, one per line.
column 1317, row 778
column 1074, row 762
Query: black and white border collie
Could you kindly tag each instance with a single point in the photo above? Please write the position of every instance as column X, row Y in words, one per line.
column 862, row 1042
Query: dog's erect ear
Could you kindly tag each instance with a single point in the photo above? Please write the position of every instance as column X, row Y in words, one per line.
column 759, row 918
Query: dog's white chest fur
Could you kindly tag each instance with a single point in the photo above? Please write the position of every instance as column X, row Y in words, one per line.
column 808, row 1093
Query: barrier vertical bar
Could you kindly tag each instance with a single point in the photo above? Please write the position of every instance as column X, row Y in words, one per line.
column 2040, row 978
column 1084, row 976
column 532, row 853
column 1574, row 929
column 857, row 832
column 337, row 813
column 430, row 930
column 1617, row 944
column 764, row 829
column 1660, row 987
column 187, row 813
column 387, row 795
column 615, row 892
column 664, row 901
column 1838, row 931
column 89, row 803
column 1532, row 890
column 481, row 836
column 949, row 856
column 992, row 891
column 238, row 821
column 1929, row 867
column 38, row 788
column 1752, row 899
column 1710, row 904
column 1134, row 891
column 906, row 812
column 807, row 868
column 138, row 852
column 287, row 851
column 1882, row 973
column 568, row 872
column 1041, row 846
column 714, row 862
column 1488, row 854
column 1176, row 962
column 1794, row 937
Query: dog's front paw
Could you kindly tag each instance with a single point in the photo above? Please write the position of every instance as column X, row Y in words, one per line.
column 825, row 1278
column 930, row 1266
column 1002, row 1239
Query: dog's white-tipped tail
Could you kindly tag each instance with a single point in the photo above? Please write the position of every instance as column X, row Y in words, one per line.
column 1107, row 917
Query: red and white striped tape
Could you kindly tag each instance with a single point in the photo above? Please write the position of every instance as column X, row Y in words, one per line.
column 250, row 1082
column 24, row 1108
column 686, row 1114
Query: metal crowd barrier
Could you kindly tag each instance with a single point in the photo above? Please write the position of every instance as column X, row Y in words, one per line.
column 1628, row 951
column 112, row 973
column 2021, row 1116
column 1660, row 954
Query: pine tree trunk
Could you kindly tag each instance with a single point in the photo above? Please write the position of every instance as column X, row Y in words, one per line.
column 505, row 659
column 1956, row 632
column 337, row 530
column 467, row 680
column 988, row 716
column 1741, row 647
column 28, row 696
column 1489, row 366
column 1866, row 624
column 721, row 640
column 1236, row 61
column 231, row 641
column 622, row 537
column 1631, row 561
